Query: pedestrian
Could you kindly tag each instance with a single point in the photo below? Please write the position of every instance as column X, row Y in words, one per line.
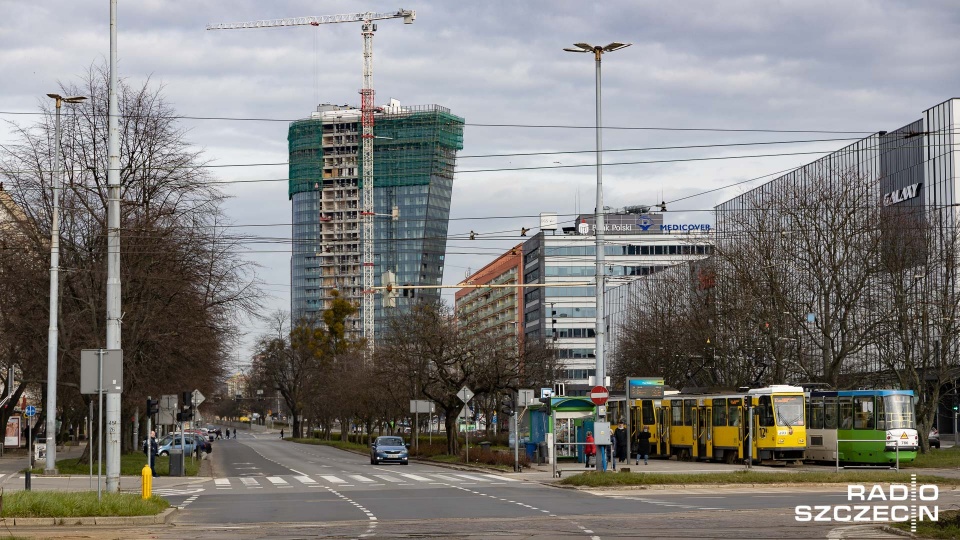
column 228, row 433
column 150, row 448
column 235, row 430
column 620, row 440
column 643, row 445
column 281, row 433
column 589, row 449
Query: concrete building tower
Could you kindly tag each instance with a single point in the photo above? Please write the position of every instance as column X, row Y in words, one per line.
column 414, row 157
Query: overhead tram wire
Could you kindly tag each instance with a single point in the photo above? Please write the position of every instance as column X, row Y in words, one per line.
column 533, row 126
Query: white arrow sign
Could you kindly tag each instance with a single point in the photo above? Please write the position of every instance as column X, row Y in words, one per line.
column 197, row 398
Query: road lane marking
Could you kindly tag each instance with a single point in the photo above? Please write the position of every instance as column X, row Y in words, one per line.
column 305, row 479
column 448, row 478
column 250, row 482
column 278, row 482
column 474, row 478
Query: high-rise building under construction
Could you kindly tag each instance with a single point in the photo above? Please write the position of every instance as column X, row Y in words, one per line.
column 414, row 156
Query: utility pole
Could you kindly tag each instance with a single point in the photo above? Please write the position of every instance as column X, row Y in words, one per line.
column 113, row 256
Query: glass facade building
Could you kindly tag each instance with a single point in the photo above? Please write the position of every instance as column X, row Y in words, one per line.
column 414, row 156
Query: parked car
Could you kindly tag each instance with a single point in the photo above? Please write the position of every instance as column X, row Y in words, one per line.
column 934, row 438
column 389, row 448
column 168, row 443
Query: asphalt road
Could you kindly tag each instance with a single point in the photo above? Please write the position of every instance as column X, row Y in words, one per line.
column 267, row 488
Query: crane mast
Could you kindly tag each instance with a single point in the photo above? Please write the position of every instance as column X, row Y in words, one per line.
column 366, row 120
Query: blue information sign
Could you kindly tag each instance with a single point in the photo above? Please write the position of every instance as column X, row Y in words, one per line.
column 644, row 388
column 30, row 410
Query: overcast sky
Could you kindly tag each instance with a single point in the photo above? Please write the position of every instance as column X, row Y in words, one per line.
column 854, row 66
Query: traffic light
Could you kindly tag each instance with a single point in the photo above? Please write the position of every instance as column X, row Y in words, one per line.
column 956, row 405
column 506, row 407
column 546, row 401
column 187, row 413
column 153, row 406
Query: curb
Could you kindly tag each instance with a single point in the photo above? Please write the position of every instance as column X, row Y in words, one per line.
column 159, row 519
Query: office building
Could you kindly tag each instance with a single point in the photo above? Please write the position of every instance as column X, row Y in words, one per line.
column 562, row 313
column 495, row 311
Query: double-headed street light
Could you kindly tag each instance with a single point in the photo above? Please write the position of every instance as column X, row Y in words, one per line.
column 598, row 51
column 52, row 333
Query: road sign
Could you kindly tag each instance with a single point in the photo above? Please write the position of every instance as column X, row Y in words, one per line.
column 465, row 394
column 599, row 395
column 418, row 406
column 31, row 411
column 197, row 398
column 112, row 381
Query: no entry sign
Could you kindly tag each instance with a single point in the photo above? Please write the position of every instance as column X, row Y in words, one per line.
column 599, row 395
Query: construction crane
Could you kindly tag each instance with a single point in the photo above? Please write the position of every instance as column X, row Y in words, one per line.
column 366, row 121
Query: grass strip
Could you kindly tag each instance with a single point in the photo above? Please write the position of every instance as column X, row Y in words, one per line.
column 936, row 458
column 68, row 504
column 946, row 526
column 342, row 445
column 130, row 465
column 600, row 479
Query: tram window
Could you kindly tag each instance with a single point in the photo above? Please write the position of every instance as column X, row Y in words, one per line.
column 815, row 414
column 846, row 413
column 719, row 412
column 881, row 415
column 646, row 408
column 733, row 411
column 830, row 413
column 676, row 412
column 863, row 412
column 765, row 410
column 688, row 405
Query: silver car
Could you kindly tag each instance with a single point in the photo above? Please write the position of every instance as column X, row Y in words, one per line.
column 389, row 448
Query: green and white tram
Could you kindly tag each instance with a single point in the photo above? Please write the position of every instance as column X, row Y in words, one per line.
column 862, row 426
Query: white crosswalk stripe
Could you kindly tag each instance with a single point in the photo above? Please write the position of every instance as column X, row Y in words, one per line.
column 333, row 479
column 403, row 479
column 359, row 478
column 388, row 478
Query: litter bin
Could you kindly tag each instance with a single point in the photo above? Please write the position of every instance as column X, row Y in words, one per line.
column 531, row 451
column 542, row 450
column 484, row 446
column 176, row 462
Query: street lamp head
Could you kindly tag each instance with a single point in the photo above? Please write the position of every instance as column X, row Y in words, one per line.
column 61, row 99
column 616, row 46
column 597, row 49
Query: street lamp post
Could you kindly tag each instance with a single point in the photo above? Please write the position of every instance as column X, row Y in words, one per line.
column 53, row 332
column 598, row 51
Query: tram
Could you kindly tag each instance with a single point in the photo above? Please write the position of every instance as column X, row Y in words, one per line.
column 716, row 426
column 861, row 426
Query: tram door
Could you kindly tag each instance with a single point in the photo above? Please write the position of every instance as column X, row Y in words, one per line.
column 706, row 434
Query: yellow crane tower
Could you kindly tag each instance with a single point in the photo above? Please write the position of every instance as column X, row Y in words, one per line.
column 366, row 120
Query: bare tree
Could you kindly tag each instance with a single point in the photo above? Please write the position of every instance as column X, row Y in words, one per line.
column 184, row 285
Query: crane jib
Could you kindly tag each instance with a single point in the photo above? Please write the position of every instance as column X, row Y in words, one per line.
column 406, row 14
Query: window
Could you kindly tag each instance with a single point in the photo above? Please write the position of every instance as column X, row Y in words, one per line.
column 863, row 417
column 846, row 413
column 830, row 418
column 719, row 412
column 733, row 411
column 765, row 411
column 815, row 413
column 676, row 412
column 646, row 412
column 688, row 407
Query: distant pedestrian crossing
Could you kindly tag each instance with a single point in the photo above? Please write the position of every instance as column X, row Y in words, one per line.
column 358, row 480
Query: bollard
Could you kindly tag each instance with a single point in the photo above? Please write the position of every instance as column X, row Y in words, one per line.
column 146, row 474
column 26, row 480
